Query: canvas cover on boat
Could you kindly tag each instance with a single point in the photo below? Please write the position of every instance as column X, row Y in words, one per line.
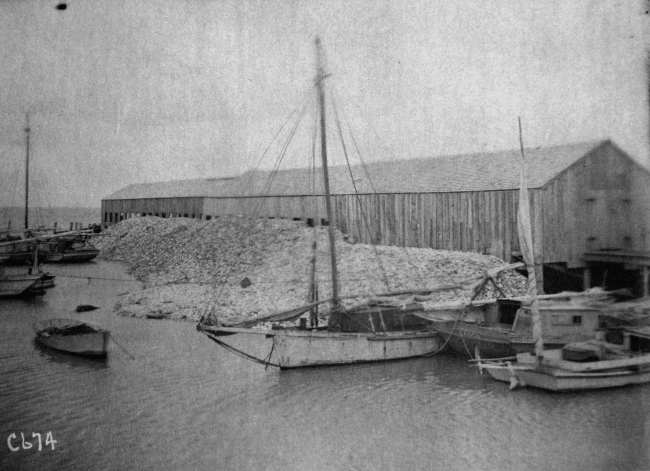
column 378, row 318
column 284, row 316
column 63, row 327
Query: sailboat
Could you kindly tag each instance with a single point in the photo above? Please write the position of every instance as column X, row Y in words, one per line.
column 19, row 285
column 71, row 248
column 67, row 247
column 14, row 250
column 25, row 250
column 25, row 285
column 593, row 364
column 373, row 331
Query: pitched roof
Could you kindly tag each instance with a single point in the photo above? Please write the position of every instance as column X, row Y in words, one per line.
column 468, row 172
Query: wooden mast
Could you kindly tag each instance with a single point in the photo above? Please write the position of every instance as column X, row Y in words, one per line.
column 323, row 139
column 27, row 173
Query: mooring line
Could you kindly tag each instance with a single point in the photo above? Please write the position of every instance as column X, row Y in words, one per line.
column 96, row 278
column 121, row 347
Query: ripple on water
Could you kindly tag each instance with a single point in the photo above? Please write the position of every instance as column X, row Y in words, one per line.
column 184, row 403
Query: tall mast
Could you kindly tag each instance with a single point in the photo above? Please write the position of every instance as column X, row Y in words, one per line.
column 27, row 173
column 320, row 76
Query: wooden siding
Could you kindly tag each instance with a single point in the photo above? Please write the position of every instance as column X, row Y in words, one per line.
column 114, row 211
column 601, row 201
column 483, row 222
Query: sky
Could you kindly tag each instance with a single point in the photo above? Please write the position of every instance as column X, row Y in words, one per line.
column 125, row 91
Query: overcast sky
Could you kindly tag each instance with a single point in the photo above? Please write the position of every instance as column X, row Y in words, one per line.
column 123, row 92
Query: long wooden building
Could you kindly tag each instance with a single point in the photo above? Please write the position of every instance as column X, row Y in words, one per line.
column 590, row 206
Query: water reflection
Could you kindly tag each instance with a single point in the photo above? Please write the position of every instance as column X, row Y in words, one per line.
column 67, row 359
column 185, row 403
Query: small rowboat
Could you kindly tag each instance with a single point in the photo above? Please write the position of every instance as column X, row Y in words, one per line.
column 72, row 336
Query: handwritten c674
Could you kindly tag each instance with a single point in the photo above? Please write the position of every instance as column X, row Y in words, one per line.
column 15, row 444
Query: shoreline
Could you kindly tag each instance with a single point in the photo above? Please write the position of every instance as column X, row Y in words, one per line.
column 190, row 266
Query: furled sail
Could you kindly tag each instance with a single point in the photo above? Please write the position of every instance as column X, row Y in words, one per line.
column 526, row 247
column 284, row 316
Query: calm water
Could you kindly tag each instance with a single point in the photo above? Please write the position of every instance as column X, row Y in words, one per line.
column 184, row 403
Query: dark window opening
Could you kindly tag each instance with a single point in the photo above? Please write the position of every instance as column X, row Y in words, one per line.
column 310, row 222
column 207, row 218
column 508, row 311
column 164, row 215
column 185, row 215
column 324, row 222
column 577, row 320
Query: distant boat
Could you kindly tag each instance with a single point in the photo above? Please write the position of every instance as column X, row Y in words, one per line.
column 25, row 284
column 19, row 285
column 46, row 281
column 64, row 247
column 14, row 250
column 72, row 256
column 67, row 248
column 72, row 336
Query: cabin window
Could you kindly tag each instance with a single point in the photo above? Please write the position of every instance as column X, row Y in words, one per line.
column 507, row 310
column 207, row 218
column 164, row 215
column 193, row 215
column 121, row 216
column 324, row 222
column 185, row 215
column 577, row 320
column 110, row 217
column 310, row 222
column 105, row 217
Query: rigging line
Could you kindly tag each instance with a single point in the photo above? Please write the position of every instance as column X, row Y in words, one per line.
column 312, row 175
column 276, row 168
column 255, row 214
column 451, row 332
column 372, row 185
column 356, row 192
column 267, row 360
column 300, row 106
column 96, row 278
column 121, row 347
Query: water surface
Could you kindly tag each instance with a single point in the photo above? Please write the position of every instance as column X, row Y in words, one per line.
column 184, row 403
